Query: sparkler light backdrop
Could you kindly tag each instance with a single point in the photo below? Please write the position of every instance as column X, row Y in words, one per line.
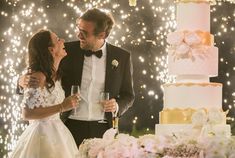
column 141, row 29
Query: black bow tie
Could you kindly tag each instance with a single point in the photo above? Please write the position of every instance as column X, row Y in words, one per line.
column 98, row 53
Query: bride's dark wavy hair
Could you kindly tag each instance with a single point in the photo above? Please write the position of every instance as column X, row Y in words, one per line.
column 40, row 58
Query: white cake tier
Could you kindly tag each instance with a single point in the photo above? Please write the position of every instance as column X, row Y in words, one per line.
column 195, row 62
column 193, row 95
column 175, row 129
column 192, row 78
column 193, row 16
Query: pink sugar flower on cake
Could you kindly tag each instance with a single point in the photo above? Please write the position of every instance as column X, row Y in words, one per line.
column 191, row 38
column 175, row 38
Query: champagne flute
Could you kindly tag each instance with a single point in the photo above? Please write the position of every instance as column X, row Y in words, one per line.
column 104, row 96
column 74, row 90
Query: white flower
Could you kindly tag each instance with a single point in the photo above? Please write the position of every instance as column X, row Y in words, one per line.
column 186, row 45
column 232, row 155
column 115, row 63
column 215, row 146
column 132, row 3
column 149, row 143
column 117, row 150
column 192, row 38
column 182, row 49
column 96, row 146
column 122, row 147
column 215, row 116
column 175, row 38
column 126, row 139
column 199, row 118
column 110, row 134
column 91, row 148
column 166, row 146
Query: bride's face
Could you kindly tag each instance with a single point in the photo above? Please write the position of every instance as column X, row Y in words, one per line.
column 57, row 50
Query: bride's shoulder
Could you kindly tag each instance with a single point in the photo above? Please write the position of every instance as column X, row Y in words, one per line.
column 41, row 78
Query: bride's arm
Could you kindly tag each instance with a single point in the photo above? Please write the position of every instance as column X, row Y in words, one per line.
column 33, row 104
column 42, row 112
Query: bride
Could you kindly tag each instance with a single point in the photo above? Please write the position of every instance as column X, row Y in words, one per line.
column 46, row 136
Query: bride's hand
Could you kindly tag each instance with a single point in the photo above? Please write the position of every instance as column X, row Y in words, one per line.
column 70, row 102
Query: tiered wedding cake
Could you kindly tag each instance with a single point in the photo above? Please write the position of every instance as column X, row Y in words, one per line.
column 193, row 103
column 192, row 110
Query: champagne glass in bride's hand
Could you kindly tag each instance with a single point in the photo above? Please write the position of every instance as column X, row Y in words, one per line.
column 75, row 90
column 104, row 96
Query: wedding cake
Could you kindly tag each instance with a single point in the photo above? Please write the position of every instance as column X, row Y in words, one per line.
column 193, row 103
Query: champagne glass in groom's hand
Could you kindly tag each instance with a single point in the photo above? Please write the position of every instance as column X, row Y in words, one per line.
column 104, row 96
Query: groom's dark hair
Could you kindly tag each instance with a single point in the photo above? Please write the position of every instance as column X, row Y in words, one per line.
column 103, row 21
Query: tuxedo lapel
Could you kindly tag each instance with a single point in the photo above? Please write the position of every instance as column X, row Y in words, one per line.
column 108, row 79
column 108, row 76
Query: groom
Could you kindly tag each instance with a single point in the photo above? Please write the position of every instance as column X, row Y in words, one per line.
column 96, row 66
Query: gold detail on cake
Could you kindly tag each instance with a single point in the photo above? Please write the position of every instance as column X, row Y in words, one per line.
column 176, row 116
column 193, row 84
column 207, row 38
column 180, row 116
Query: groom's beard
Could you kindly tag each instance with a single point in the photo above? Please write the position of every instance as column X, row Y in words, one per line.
column 85, row 46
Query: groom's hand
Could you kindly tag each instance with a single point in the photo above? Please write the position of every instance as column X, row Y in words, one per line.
column 110, row 105
column 28, row 81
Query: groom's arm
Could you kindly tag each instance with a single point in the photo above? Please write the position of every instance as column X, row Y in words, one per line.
column 126, row 96
column 26, row 80
column 19, row 89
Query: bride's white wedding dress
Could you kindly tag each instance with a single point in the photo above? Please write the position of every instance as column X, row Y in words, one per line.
column 47, row 137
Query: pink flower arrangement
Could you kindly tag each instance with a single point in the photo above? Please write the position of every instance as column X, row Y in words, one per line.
column 186, row 45
column 152, row 146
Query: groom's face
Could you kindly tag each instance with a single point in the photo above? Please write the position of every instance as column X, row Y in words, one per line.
column 85, row 33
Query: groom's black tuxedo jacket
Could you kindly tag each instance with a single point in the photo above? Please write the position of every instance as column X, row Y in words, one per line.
column 118, row 80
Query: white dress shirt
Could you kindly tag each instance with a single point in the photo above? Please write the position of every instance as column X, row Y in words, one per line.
column 92, row 84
